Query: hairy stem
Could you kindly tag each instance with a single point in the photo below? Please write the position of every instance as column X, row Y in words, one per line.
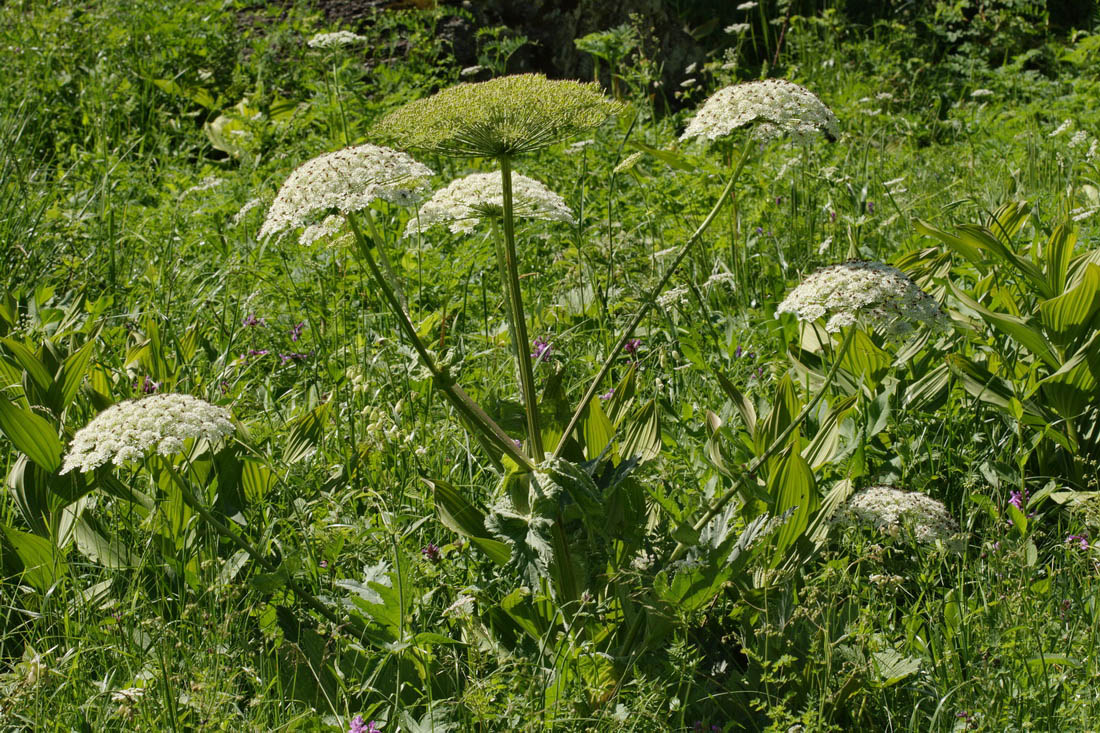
column 518, row 323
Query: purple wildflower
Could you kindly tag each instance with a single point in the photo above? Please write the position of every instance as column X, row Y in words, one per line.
column 778, row 200
column 542, row 348
column 292, row 356
column 431, row 553
column 358, row 726
column 737, row 353
column 759, row 230
column 518, row 442
column 258, row 352
column 870, row 207
column 1081, row 540
column 608, row 394
column 631, row 347
column 251, row 320
column 832, row 216
column 148, row 386
column 296, row 332
column 324, row 564
column 1018, row 499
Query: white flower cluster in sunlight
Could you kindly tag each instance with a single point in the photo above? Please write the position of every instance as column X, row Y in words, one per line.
column 777, row 107
column 464, row 202
column 334, row 39
column 870, row 293
column 347, row 180
column 129, row 430
column 889, row 510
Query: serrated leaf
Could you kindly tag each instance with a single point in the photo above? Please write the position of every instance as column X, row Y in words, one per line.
column 460, row 515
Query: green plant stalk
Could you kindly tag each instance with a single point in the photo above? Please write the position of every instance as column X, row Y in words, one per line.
column 649, row 300
column 477, row 418
column 502, row 266
column 386, row 264
column 717, row 505
column 519, row 324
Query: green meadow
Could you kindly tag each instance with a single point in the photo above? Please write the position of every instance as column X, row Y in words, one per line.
column 351, row 385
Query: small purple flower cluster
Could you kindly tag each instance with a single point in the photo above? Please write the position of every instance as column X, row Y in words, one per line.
column 251, row 320
column 1081, row 540
column 431, row 553
column 147, row 386
column 296, row 332
column 631, row 347
column 541, row 349
column 359, row 726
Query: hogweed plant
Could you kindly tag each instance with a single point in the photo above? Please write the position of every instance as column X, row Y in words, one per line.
column 568, row 525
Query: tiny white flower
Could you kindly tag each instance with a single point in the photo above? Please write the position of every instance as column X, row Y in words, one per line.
column 777, row 107
column 886, row 509
column 1066, row 124
column 130, row 430
column 346, row 180
column 979, row 93
column 868, row 292
column 737, row 28
column 334, row 39
column 464, row 202
column 746, row 6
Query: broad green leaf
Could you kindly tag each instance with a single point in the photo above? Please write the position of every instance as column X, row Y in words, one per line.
column 825, row 442
column 1069, row 315
column 1020, row 330
column 621, row 398
column 1008, row 219
column 893, row 667
column 598, row 431
column 1059, row 252
column 785, row 407
column 72, row 374
column 1073, row 388
column 30, row 363
column 981, row 237
column 929, row 389
column 743, row 404
column 461, row 516
column 963, row 247
column 306, row 432
column 256, row 479
column 792, row 489
column 31, row 434
column 668, row 157
column 865, row 359
column 643, row 434
column 42, row 563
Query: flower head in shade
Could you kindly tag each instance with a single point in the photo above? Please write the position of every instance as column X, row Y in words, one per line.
column 345, row 181
column 464, row 202
column 502, row 117
column 871, row 293
column 331, row 40
column 888, row 509
column 358, row 725
column 776, row 106
column 130, row 430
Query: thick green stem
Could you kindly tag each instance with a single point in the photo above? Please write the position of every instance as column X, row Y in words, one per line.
column 502, row 267
column 648, row 301
column 482, row 424
column 718, row 504
column 519, row 324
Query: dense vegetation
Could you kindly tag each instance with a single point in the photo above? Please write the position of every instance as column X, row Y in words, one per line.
column 354, row 543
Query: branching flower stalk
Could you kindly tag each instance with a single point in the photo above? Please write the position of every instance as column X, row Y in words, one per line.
column 475, row 417
column 650, row 299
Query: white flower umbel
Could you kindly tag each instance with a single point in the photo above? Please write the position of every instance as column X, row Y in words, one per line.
column 889, row 510
column 334, row 39
column 347, row 180
column 130, row 430
column 870, row 293
column 777, row 107
column 464, row 202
